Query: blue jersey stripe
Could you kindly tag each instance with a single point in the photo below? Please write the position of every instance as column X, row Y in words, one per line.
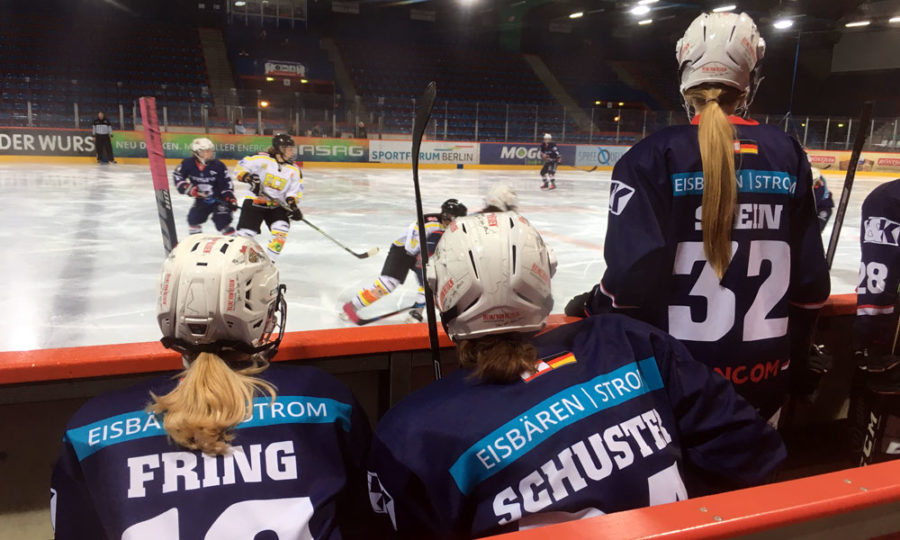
column 523, row 433
column 140, row 424
column 748, row 180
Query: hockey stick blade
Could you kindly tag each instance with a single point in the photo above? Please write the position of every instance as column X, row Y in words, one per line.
column 363, row 255
column 592, row 169
column 865, row 118
column 363, row 322
column 423, row 113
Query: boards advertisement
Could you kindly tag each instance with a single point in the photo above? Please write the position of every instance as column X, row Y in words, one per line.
column 521, row 154
column 598, row 155
column 46, row 142
column 431, row 152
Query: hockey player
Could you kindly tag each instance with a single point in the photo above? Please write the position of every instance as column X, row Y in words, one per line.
column 875, row 405
column 551, row 157
column 712, row 233
column 216, row 453
column 404, row 256
column 824, row 201
column 598, row 416
column 277, row 187
column 206, row 179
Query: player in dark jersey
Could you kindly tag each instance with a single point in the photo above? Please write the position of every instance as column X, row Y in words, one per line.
column 824, row 200
column 875, row 405
column 403, row 257
column 205, row 178
column 550, row 155
column 217, row 453
column 712, row 231
column 598, row 416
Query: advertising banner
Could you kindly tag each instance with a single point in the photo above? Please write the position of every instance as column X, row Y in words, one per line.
column 46, row 142
column 598, row 155
column 175, row 145
column 430, row 152
column 281, row 68
column 521, row 154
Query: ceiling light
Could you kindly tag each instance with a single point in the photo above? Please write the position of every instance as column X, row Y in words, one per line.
column 894, row 20
column 645, row 21
column 597, row 102
column 646, row 2
column 781, row 24
column 576, row 15
column 854, row 24
column 240, row 3
column 303, row 81
column 640, row 10
column 621, row 103
column 840, row 125
column 723, row 9
column 270, row 79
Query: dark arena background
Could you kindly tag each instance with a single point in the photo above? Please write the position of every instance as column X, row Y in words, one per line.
column 82, row 248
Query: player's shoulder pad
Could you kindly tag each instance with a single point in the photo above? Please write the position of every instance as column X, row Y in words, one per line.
column 308, row 381
column 115, row 402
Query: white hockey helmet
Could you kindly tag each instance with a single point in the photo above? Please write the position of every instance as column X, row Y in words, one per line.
column 199, row 145
column 723, row 48
column 220, row 293
column 502, row 196
column 491, row 274
column 547, row 136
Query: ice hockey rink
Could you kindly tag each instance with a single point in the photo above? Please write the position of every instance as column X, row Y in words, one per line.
column 82, row 247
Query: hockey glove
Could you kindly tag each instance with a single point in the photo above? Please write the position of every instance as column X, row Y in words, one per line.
column 294, row 213
column 182, row 187
column 577, row 307
column 805, row 380
column 255, row 183
column 230, row 202
column 195, row 192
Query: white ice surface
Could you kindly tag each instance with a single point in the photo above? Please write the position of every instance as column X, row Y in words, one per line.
column 82, row 248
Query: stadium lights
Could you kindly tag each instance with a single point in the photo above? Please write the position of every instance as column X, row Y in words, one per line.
column 840, row 125
column 576, row 15
column 894, row 20
column 724, row 9
column 240, row 3
column 598, row 102
column 270, row 79
column 303, row 81
column 646, row 2
column 781, row 24
column 645, row 21
column 263, row 104
column 616, row 119
column 621, row 103
column 854, row 24
column 640, row 10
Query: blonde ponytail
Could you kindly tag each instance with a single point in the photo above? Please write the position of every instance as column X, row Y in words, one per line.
column 716, row 136
column 210, row 400
column 498, row 359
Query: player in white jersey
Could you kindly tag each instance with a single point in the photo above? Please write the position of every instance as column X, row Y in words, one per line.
column 277, row 186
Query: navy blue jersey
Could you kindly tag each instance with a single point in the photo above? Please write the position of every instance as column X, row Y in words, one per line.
column 212, row 179
column 657, row 270
column 296, row 467
column 615, row 412
column 549, row 151
column 879, row 270
column 823, row 197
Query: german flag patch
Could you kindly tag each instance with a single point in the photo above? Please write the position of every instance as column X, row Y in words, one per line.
column 746, row 147
column 547, row 365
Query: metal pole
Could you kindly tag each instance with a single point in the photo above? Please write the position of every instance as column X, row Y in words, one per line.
column 872, row 131
column 894, row 136
column 29, row 123
column 413, row 124
column 618, row 123
column 805, row 130
column 827, row 126
column 787, row 118
column 476, row 121
column 506, row 128
column 191, row 116
column 259, row 124
column 564, row 125
column 297, row 123
column 766, row 120
column 849, row 128
column 535, row 122
column 333, row 124
column 134, row 114
column 445, row 120
column 77, row 120
column 591, row 136
column 644, row 127
column 165, row 118
column 204, row 114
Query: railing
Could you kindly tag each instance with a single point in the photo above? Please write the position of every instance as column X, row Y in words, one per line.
column 308, row 113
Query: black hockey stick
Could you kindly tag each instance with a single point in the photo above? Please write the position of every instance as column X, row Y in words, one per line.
column 865, row 118
column 423, row 113
column 367, row 254
column 157, row 160
column 592, row 169
column 363, row 322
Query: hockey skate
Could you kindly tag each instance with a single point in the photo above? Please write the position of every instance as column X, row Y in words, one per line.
column 552, row 184
column 349, row 313
column 545, row 185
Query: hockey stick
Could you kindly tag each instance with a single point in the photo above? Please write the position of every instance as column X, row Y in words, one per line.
column 157, row 160
column 592, row 169
column 423, row 113
column 367, row 254
column 864, row 118
column 363, row 322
